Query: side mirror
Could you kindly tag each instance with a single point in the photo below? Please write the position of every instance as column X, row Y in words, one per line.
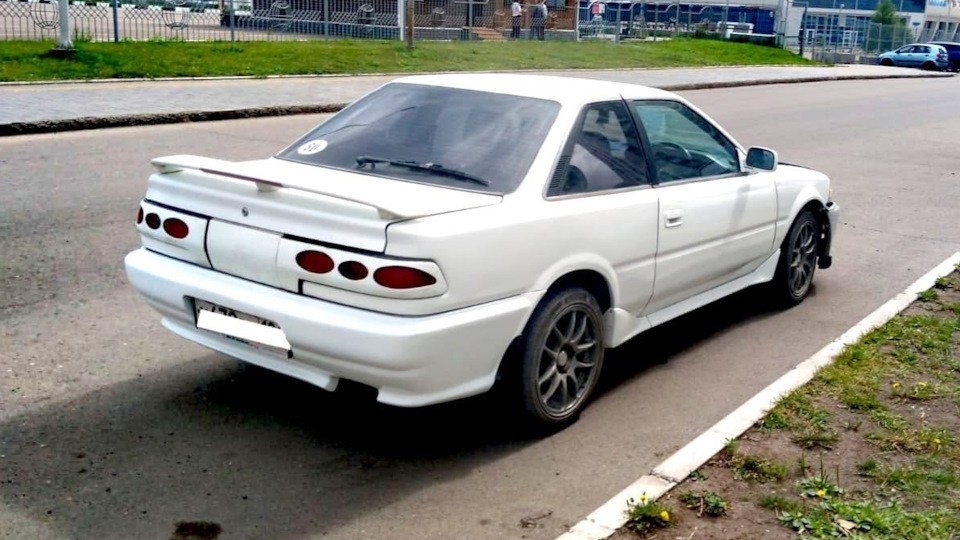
column 762, row 159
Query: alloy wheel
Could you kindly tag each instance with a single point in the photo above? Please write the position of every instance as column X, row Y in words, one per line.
column 803, row 259
column 568, row 361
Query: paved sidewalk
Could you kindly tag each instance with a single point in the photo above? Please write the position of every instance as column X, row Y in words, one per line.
column 32, row 108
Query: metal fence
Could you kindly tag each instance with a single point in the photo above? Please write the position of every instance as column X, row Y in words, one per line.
column 248, row 20
column 854, row 44
column 645, row 19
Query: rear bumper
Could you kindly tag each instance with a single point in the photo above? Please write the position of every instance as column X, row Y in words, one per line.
column 412, row 361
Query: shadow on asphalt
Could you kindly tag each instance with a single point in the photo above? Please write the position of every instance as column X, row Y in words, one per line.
column 659, row 345
column 264, row 455
column 218, row 441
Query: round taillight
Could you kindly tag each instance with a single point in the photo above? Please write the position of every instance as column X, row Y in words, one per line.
column 153, row 221
column 176, row 228
column 140, row 215
column 353, row 270
column 402, row 277
column 315, row 262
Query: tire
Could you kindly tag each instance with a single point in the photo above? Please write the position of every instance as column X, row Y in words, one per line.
column 560, row 355
column 886, row 62
column 798, row 261
column 928, row 66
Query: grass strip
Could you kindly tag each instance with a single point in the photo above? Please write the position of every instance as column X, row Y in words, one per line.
column 31, row 60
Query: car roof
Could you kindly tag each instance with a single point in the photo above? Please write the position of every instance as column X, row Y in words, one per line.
column 565, row 90
column 946, row 44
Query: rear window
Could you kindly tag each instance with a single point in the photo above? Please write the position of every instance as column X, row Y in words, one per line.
column 444, row 135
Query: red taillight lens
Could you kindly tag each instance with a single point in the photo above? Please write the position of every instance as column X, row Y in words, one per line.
column 315, row 262
column 176, row 228
column 153, row 221
column 402, row 277
column 353, row 270
column 140, row 215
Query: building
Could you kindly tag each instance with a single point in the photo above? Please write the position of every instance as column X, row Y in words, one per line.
column 817, row 24
column 941, row 21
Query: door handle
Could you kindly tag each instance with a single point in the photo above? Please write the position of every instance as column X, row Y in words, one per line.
column 673, row 218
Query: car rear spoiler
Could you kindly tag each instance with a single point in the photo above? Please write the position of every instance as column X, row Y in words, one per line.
column 239, row 171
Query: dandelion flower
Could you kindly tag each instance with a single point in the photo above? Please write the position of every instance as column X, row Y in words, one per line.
column 821, row 493
column 895, row 384
column 936, row 441
column 922, row 384
column 665, row 515
column 643, row 499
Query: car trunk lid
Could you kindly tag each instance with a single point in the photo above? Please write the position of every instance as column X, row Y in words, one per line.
column 345, row 208
column 251, row 219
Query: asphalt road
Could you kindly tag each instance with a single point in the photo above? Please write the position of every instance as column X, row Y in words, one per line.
column 111, row 428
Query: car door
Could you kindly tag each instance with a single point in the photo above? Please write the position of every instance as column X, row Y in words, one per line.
column 913, row 56
column 717, row 222
column 903, row 56
column 603, row 201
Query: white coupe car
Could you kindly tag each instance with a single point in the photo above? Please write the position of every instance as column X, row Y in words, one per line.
column 447, row 231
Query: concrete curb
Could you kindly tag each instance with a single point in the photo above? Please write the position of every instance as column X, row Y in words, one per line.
column 84, row 123
column 90, row 122
column 611, row 516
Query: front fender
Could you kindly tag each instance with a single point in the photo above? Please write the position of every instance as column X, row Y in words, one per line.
column 797, row 187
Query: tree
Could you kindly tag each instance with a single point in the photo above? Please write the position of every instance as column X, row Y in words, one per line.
column 888, row 30
column 886, row 13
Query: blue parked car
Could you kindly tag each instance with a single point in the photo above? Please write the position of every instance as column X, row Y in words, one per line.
column 953, row 53
column 921, row 55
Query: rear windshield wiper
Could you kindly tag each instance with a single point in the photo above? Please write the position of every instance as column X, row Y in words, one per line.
column 431, row 167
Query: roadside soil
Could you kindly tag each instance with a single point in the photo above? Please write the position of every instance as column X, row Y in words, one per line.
column 856, row 443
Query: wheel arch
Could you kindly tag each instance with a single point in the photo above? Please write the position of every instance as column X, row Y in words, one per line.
column 590, row 280
column 808, row 198
column 588, row 277
column 586, row 270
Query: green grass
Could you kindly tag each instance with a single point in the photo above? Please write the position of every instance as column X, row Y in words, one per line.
column 820, row 438
column 778, row 503
column 31, row 61
column 756, row 468
column 908, row 363
column 928, row 478
column 928, row 296
column 898, row 389
column 795, row 411
column 870, row 519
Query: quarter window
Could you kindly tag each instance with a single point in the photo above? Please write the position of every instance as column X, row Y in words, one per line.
column 606, row 153
column 683, row 144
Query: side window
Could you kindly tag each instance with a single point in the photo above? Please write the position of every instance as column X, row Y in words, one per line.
column 606, row 153
column 683, row 144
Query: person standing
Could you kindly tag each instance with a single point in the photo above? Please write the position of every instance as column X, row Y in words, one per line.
column 516, row 12
column 537, row 20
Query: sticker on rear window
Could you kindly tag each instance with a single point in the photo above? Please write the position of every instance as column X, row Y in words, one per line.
column 312, row 147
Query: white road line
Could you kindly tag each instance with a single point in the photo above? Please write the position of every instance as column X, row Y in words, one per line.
column 604, row 521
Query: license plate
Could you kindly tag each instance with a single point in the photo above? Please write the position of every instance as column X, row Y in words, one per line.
column 253, row 331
